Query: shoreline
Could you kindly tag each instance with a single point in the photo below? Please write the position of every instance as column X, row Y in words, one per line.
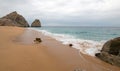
column 83, row 45
column 50, row 55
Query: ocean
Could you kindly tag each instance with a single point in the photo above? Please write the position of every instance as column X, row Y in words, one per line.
column 88, row 40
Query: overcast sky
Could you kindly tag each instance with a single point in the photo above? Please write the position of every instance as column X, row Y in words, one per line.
column 66, row 12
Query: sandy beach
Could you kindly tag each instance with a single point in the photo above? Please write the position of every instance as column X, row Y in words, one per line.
column 18, row 52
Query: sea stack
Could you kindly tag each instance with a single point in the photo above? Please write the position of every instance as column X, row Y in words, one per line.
column 110, row 52
column 36, row 23
column 13, row 19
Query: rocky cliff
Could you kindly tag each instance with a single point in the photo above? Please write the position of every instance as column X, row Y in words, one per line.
column 13, row 19
column 36, row 23
column 6, row 22
column 110, row 52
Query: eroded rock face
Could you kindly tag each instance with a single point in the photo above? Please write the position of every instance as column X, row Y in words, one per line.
column 111, row 52
column 36, row 23
column 6, row 22
column 13, row 19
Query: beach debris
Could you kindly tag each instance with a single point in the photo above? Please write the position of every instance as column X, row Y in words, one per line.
column 70, row 45
column 37, row 40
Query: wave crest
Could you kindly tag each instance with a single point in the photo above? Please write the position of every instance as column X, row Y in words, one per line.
column 89, row 47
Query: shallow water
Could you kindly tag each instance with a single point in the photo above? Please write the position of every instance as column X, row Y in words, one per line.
column 88, row 33
column 89, row 40
column 71, row 58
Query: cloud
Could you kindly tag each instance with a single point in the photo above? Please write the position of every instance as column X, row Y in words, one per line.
column 66, row 12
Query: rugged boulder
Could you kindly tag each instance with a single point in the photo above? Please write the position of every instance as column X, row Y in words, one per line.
column 111, row 52
column 13, row 19
column 36, row 23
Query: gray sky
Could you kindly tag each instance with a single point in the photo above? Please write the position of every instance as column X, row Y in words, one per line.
column 66, row 12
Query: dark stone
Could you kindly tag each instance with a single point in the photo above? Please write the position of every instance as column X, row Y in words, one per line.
column 37, row 40
column 97, row 54
column 70, row 45
column 110, row 52
column 36, row 23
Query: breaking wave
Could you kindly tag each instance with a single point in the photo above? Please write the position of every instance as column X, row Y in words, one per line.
column 89, row 47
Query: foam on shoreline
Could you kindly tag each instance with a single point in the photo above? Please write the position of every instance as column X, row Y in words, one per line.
column 89, row 47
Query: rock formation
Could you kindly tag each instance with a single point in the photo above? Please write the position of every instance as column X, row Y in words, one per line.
column 6, row 22
column 110, row 52
column 13, row 19
column 36, row 23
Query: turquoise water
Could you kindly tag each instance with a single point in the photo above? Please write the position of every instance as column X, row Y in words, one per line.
column 88, row 33
column 89, row 40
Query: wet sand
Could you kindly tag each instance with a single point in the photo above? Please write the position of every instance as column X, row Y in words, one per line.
column 18, row 52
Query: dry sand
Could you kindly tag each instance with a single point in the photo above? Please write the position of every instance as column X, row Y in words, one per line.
column 18, row 52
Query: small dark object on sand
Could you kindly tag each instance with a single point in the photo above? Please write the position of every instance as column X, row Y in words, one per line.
column 70, row 45
column 97, row 54
column 37, row 40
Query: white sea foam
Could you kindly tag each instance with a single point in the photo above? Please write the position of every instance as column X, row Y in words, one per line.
column 89, row 47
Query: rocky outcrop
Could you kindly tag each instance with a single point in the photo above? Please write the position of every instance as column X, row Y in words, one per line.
column 36, row 23
column 6, row 22
column 13, row 19
column 111, row 52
